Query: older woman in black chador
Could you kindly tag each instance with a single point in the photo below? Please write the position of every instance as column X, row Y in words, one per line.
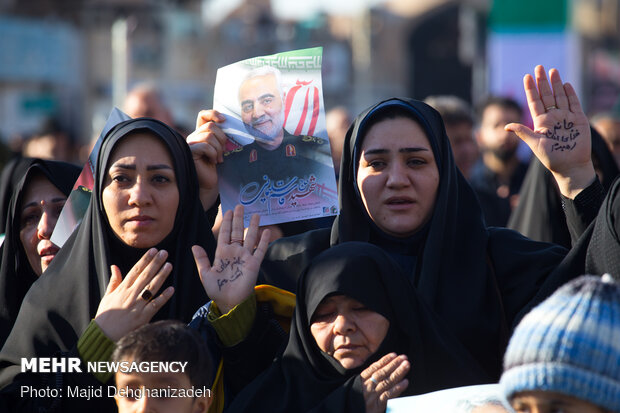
column 32, row 213
column 359, row 337
column 135, row 239
column 400, row 190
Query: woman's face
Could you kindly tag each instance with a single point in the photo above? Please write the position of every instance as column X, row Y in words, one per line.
column 347, row 330
column 397, row 176
column 140, row 193
column 40, row 207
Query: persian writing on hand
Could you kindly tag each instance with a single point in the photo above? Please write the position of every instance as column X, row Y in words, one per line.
column 564, row 133
column 235, row 266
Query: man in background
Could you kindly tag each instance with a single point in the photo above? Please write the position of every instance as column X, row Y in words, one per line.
column 499, row 173
column 459, row 121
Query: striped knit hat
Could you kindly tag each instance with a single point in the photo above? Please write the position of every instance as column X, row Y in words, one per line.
column 570, row 344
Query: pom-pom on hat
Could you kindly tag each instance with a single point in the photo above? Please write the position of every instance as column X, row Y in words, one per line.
column 570, row 344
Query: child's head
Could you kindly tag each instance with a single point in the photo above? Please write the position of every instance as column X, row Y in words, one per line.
column 163, row 341
column 565, row 354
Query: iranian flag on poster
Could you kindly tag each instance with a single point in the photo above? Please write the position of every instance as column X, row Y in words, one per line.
column 277, row 160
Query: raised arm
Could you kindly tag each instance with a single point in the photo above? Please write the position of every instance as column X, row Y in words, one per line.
column 561, row 137
column 207, row 144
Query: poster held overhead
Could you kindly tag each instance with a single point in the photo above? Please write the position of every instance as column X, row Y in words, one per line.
column 277, row 161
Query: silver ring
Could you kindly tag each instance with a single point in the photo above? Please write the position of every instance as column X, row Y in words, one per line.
column 372, row 379
column 548, row 108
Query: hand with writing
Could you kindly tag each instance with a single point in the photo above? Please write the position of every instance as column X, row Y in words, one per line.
column 233, row 275
column 561, row 137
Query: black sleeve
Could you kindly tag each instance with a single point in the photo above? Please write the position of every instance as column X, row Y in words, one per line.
column 243, row 362
column 581, row 211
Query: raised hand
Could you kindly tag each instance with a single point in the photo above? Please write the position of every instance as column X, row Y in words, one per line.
column 233, row 275
column 130, row 302
column 561, row 136
column 207, row 144
column 384, row 379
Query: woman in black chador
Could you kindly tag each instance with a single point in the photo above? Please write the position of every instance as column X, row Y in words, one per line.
column 359, row 337
column 135, row 239
column 31, row 217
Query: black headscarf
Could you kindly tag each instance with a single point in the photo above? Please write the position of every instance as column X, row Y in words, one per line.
column 539, row 214
column 306, row 379
column 476, row 279
column 16, row 274
column 60, row 305
column 12, row 173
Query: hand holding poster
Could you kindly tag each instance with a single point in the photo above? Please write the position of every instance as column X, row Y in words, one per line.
column 277, row 162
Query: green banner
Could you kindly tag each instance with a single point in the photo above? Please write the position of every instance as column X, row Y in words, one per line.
column 510, row 14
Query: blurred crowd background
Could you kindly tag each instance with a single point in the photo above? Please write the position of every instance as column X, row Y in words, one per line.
column 65, row 64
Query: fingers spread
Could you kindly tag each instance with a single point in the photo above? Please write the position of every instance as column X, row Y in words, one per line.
column 236, row 234
column 533, row 98
column 225, row 228
column 546, row 95
column 561, row 102
column 115, row 279
column 523, row 132
column 252, row 234
column 573, row 100
column 263, row 244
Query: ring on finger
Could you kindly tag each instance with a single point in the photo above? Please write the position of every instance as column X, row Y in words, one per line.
column 372, row 379
column 548, row 108
column 236, row 241
column 146, row 295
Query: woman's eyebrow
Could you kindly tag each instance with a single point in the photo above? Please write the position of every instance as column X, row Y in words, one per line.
column 375, row 151
column 123, row 166
column 414, row 149
column 401, row 150
column 37, row 203
column 158, row 166
column 133, row 166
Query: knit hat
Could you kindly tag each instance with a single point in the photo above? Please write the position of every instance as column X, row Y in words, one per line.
column 570, row 344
